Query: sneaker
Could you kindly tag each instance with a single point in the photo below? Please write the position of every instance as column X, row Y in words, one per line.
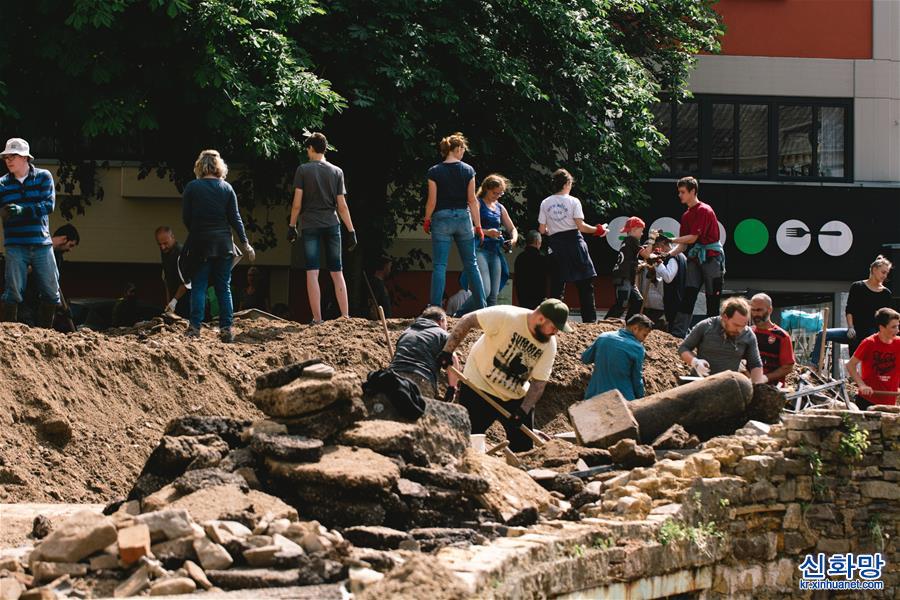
column 226, row 335
column 316, row 322
column 192, row 333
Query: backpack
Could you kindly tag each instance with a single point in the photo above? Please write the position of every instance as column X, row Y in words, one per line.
column 402, row 393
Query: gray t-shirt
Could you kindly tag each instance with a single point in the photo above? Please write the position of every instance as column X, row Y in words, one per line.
column 322, row 183
column 708, row 341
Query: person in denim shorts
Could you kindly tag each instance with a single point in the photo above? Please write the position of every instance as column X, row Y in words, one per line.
column 319, row 197
column 452, row 216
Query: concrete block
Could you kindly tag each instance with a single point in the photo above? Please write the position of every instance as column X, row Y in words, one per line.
column 603, row 420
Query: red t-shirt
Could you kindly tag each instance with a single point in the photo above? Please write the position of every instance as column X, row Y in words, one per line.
column 879, row 367
column 700, row 220
column 775, row 348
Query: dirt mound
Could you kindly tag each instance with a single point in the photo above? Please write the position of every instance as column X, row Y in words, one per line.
column 80, row 413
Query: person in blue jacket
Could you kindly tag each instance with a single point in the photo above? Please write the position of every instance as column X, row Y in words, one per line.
column 618, row 359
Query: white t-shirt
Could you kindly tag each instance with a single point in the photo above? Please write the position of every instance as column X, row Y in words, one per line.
column 506, row 355
column 559, row 211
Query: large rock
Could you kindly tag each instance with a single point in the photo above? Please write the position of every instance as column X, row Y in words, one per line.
column 325, row 423
column 168, row 524
column 630, row 455
column 381, row 538
column 306, row 395
column 293, row 448
column 236, row 579
column 439, row 436
column 174, row 453
column 603, row 420
column 675, row 438
column 511, row 489
column 230, row 503
column 341, row 466
column 226, row 428
column 463, row 482
column 76, row 538
column 198, row 479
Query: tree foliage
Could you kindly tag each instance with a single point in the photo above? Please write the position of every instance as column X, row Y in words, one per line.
column 535, row 84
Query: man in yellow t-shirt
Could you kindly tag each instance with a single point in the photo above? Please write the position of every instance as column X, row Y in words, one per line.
column 510, row 362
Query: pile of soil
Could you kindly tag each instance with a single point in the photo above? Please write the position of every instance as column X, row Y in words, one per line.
column 80, row 413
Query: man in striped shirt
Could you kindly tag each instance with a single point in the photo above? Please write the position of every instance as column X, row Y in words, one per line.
column 27, row 197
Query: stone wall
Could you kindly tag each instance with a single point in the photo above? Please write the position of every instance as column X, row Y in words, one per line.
column 734, row 520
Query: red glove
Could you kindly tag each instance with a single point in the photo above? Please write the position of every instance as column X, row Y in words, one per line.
column 480, row 234
column 428, row 226
column 601, row 231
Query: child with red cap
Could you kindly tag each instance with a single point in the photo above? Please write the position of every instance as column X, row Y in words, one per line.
column 627, row 294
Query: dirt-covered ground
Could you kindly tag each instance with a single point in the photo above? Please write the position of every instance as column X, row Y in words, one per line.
column 80, row 413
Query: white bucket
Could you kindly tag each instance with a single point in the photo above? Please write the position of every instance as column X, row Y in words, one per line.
column 476, row 440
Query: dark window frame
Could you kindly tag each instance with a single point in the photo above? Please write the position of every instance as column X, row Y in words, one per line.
column 773, row 103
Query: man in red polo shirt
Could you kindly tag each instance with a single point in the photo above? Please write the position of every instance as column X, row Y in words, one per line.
column 699, row 238
column 878, row 357
column 775, row 347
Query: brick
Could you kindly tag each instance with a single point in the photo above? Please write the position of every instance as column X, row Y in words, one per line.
column 603, row 420
column 134, row 542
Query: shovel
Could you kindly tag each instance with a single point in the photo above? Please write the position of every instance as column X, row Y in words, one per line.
column 503, row 412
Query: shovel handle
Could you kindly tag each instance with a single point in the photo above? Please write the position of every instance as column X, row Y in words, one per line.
column 503, row 412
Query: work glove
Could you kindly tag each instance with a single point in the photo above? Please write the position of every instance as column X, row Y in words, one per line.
column 353, row 243
column 602, row 230
column 444, row 359
column 10, row 210
column 700, row 366
column 851, row 333
column 479, row 233
column 170, row 307
column 251, row 253
column 428, row 226
column 293, row 234
column 517, row 416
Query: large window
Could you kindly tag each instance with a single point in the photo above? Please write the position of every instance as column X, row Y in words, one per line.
column 748, row 137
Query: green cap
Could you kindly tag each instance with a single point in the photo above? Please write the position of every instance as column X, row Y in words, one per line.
column 557, row 312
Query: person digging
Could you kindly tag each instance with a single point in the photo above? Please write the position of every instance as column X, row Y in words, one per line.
column 511, row 363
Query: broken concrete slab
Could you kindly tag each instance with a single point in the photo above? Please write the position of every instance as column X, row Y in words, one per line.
column 444, row 478
column 293, row 448
column 675, row 438
column 195, row 425
column 223, row 502
column 211, row 555
column 307, row 395
column 314, row 368
column 48, row 571
column 237, row 579
column 511, row 490
column 325, row 423
column 603, row 420
column 198, row 479
column 630, row 454
column 380, row 538
column 76, row 538
column 172, row 586
column 167, row 524
column 173, row 454
column 135, row 584
column 341, row 466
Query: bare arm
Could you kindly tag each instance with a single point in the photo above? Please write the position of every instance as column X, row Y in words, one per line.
column 510, row 227
column 542, row 229
column 295, row 207
column 534, row 393
column 473, row 204
column 757, row 375
column 688, row 357
column 779, row 373
column 460, row 331
column 686, row 239
column 344, row 212
column 853, row 370
column 431, row 201
column 584, row 227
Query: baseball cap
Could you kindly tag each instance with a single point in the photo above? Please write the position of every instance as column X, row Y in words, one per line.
column 17, row 146
column 632, row 223
column 557, row 312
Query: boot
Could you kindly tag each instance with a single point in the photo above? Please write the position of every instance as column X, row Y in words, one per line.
column 681, row 325
column 9, row 312
column 46, row 312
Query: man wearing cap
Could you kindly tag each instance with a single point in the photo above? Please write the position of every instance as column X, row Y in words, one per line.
column 511, row 362
column 27, row 197
column 627, row 295
column 618, row 359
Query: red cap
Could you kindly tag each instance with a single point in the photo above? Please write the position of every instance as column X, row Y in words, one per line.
column 632, row 223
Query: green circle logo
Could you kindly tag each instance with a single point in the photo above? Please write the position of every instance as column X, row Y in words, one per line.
column 751, row 236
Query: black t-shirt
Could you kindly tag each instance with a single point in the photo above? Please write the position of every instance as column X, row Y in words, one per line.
column 170, row 269
column 531, row 277
column 862, row 304
column 626, row 262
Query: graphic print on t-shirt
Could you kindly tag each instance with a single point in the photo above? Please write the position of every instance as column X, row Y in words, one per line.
column 512, row 367
column 883, row 363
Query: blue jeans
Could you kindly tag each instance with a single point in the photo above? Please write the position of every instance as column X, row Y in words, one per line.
column 43, row 268
column 219, row 269
column 490, row 266
column 839, row 335
column 448, row 226
column 332, row 237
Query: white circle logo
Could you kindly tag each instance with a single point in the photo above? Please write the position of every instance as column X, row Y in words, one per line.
column 793, row 237
column 835, row 238
column 614, row 238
